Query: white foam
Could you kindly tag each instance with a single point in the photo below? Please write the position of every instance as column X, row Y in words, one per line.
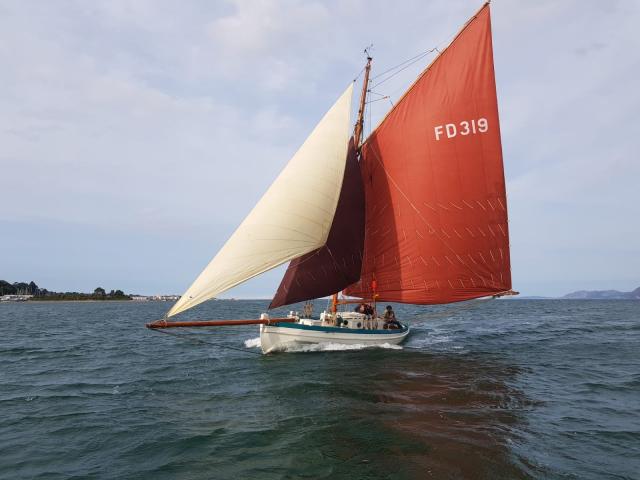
column 252, row 343
column 427, row 341
column 330, row 347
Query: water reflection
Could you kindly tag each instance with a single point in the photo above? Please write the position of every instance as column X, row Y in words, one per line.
column 418, row 415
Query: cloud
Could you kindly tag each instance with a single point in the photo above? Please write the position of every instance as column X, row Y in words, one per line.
column 260, row 27
column 569, row 143
column 79, row 130
column 162, row 123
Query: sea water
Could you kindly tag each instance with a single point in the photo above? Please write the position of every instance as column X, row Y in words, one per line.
column 481, row 390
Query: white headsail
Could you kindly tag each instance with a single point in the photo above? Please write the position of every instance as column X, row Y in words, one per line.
column 292, row 218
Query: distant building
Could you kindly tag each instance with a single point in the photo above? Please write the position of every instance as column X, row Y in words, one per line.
column 157, row 298
column 15, row 298
column 166, row 298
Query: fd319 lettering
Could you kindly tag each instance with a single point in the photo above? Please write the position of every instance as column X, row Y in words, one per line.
column 465, row 127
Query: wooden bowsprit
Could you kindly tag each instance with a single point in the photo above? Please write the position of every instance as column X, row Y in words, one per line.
column 218, row 323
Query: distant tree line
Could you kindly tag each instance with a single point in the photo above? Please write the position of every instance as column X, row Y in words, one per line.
column 18, row 288
column 21, row 288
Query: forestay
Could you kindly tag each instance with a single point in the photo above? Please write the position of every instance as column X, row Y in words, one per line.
column 290, row 220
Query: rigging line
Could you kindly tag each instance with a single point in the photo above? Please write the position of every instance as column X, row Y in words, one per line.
column 358, row 76
column 402, row 69
column 415, row 57
column 199, row 341
column 377, row 100
column 370, row 123
column 436, row 49
column 445, row 45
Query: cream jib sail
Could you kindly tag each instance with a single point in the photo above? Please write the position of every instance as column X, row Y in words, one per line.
column 285, row 224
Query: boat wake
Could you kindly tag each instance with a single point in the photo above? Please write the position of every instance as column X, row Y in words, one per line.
column 331, row 347
column 252, row 343
column 432, row 338
column 321, row 347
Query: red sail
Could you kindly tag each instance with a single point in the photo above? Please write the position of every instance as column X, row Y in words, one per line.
column 331, row 268
column 436, row 217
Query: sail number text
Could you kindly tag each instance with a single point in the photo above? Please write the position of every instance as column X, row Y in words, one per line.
column 466, row 127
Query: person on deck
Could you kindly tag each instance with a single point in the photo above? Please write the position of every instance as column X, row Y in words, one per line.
column 370, row 313
column 367, row 311
column 360, row 309
column 390, row 320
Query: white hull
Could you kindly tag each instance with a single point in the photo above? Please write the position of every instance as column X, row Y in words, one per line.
column 278, row 338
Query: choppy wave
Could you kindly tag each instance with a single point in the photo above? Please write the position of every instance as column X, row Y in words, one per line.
column 507, row 390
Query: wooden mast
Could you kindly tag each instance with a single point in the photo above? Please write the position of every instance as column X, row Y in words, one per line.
column 357, row 132
column 357, row 137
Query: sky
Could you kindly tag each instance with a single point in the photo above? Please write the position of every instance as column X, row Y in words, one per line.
column 136, row 135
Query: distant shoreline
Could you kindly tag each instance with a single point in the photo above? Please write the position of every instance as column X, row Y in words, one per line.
column 43, row 300
column 78, row 300
column 537, row 299
column 53, row 299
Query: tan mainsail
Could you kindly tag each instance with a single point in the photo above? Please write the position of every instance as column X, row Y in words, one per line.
column 287, row 222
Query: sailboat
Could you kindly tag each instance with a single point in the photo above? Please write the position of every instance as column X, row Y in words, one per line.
column 415, row 213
